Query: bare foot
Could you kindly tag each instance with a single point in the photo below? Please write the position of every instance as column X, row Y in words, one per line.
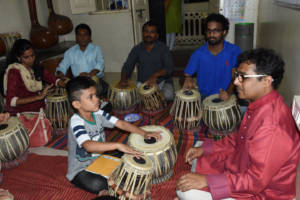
column 103, row 193
column 176, row 198
column 5, row 195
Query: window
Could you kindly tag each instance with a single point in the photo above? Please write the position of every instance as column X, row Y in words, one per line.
column 103, row 5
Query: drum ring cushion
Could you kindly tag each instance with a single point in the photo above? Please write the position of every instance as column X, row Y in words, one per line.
column 16, row 162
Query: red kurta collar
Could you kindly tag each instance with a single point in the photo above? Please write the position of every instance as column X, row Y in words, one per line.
column 263, row 100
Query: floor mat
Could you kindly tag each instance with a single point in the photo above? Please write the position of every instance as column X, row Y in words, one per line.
column 183, row 140
column 42, row 177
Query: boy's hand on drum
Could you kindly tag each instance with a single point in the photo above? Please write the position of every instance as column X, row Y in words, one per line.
column 155, row 135
column 127, row 149
column 223, row 95
column 193, row 153
column 123, row 84
column 4, row 117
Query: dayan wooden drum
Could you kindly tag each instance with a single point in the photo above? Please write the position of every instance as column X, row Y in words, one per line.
column 221, row 117
column 58, row 109
column 152, row 99
column 162, row 153
column 186, row 110
column 123, row 100
column 98, row 85
column 133, row 177
column 14, row 139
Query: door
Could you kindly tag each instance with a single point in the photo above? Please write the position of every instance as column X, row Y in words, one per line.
column 140, row 15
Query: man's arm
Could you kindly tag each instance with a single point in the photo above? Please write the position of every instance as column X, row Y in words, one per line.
column 128, row 67
column 99, row 68
column 153, row 78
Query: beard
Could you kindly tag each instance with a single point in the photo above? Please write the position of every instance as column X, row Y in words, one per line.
column 214, row 41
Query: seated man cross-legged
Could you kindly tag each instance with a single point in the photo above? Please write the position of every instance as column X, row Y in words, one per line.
column 260, row 160
column 154, row 62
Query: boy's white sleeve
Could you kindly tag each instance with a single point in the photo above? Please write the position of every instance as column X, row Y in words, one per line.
column 78, row 129
column 108, row 120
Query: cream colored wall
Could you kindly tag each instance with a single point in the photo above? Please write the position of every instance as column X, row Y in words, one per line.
column 279, row 29
column 112, row 32
column 14, row 16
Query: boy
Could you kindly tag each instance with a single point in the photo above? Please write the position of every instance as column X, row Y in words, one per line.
column 86, row 138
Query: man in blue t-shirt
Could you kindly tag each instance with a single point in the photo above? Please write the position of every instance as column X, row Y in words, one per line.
column 214, row 61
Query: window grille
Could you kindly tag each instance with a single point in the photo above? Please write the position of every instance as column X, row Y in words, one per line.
column 104, row 5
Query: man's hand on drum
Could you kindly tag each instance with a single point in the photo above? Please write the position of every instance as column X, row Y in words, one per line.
column 152, row 81
column 84, row 74
column 4, row 117
column 155, row 135
column 189, row 83
column 123, row 84
column 45, row 91
column 224, row 95
column 127, row 149
column 61, row 83
column 191, row 181
column 192, row 154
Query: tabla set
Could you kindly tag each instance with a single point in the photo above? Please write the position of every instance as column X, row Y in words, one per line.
column 58, row 110
column 123, row 100
column 221, row 117
column 14, row 140
column 135, row 176
column 126, row 100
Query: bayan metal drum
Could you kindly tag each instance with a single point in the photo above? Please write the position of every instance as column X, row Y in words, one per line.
column 163, row 153
column 152, row 99
column 58, row 110
column 221, row 117
column 123, row 100
column 186, row 110
column 14, row 140
column 132, row 178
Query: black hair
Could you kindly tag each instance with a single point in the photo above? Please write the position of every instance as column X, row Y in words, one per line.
column 18, row 49
column 151, row 23
column 217, row 18
column 76, row 85
column 85, row 27
column 267, row 62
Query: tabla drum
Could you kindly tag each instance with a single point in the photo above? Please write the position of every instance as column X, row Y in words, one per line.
column 132, row 177
column 162, row 153
column 14, row 139
column 186, row 110
column 98, row 85
column 58, row 110
column 123, row 100
column 152, row 99
column 221, row 117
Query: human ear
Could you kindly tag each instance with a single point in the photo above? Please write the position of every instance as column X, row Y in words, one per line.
column 76, row 104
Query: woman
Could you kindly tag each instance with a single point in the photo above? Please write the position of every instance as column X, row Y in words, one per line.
column 24, row 78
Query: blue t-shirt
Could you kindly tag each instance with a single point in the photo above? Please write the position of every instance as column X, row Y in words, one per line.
column 213, row 72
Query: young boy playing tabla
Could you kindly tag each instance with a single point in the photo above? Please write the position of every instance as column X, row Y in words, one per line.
column 86, row 137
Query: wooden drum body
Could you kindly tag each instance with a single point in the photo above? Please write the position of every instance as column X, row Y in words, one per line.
column 221, row 117
column 186, row 110
column 123, row 100
column 14, row 139
column 58, row 109
column 133, row 176
column 162, row 153
column 152, row 99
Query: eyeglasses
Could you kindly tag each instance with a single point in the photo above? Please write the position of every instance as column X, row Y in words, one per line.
column 242, row 77
column 214, row 31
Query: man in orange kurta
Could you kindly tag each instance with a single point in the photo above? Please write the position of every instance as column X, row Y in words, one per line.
column 260, row 160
